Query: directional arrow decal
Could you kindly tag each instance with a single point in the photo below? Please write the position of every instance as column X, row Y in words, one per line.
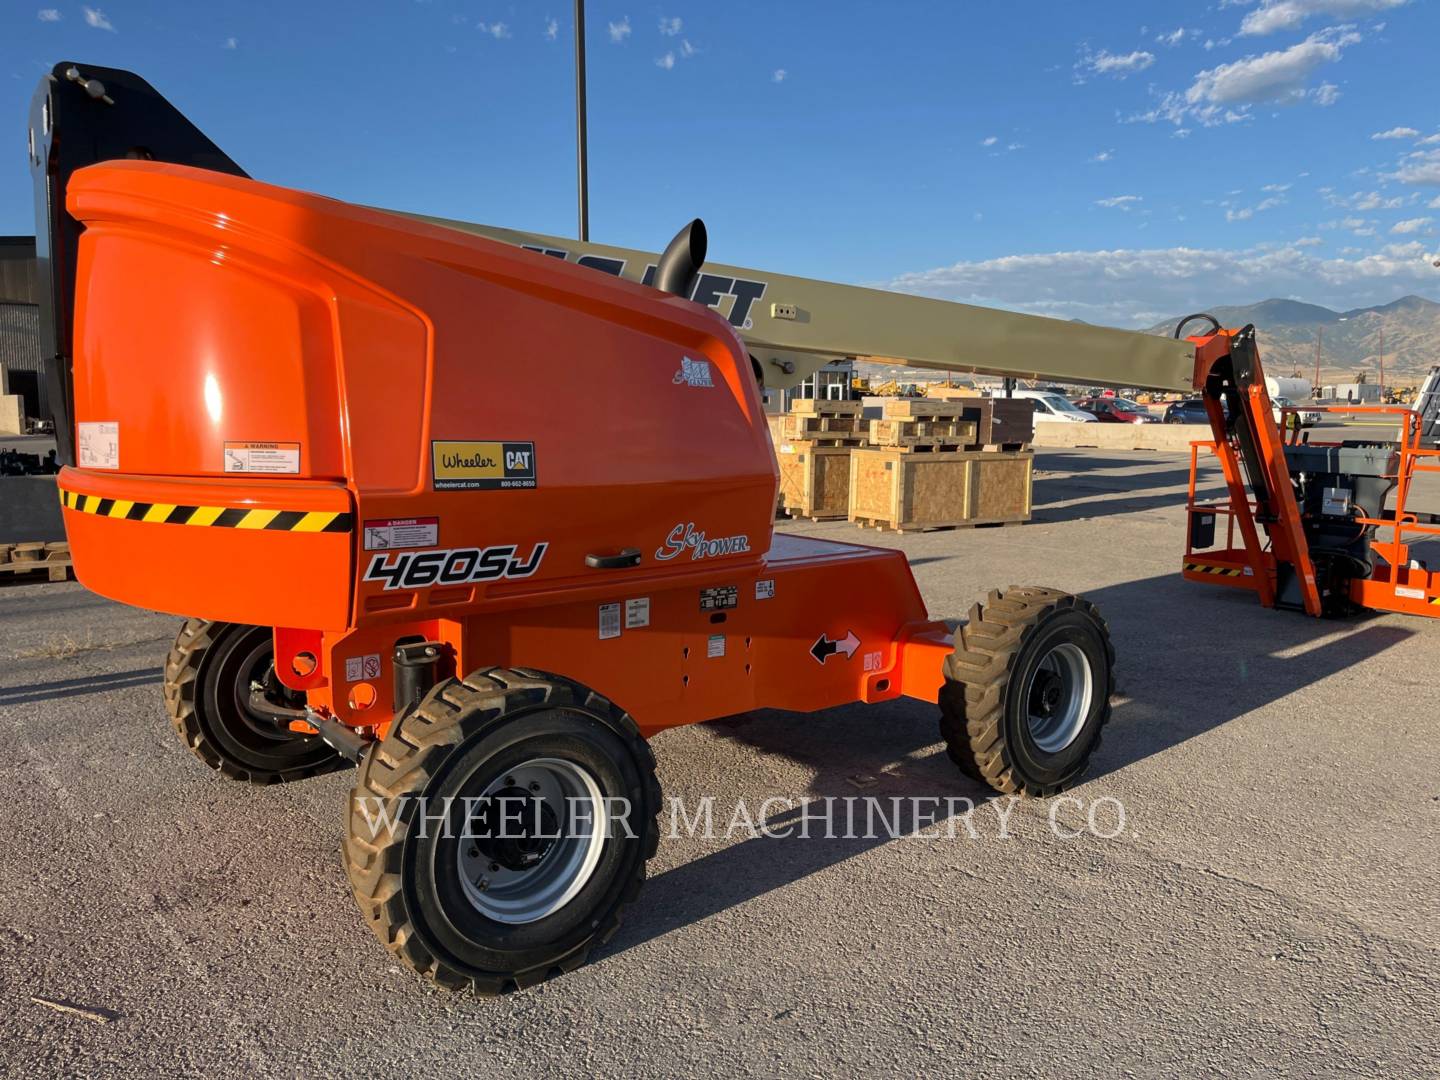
column 824, row 648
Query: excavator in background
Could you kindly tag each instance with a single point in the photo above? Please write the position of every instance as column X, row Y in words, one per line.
column 311, row 429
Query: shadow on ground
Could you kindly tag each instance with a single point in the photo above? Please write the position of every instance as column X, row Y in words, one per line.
column 1220, row 657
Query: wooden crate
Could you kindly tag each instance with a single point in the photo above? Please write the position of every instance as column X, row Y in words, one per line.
column 897, row 488
column 814, row 480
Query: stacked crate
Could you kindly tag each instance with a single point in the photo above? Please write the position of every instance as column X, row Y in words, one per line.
column 941, row 464
column 813, row 448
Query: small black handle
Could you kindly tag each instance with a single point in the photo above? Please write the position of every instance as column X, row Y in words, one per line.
column 628, row 557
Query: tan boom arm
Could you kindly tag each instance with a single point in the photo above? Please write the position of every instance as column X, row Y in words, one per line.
column 794, row 326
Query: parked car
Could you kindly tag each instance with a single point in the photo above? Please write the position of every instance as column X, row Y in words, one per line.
column 1052, row 407
column 1308, row 417
column 1188, row 411
column 1116, row 410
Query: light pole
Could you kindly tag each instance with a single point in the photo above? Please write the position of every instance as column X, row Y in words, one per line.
column 582, row 177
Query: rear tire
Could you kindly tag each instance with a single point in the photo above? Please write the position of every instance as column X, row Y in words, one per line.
column 467, row 908
column 1028, row 690
column 207, row 687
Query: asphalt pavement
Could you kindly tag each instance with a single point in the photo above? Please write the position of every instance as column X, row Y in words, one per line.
column 1269, row 907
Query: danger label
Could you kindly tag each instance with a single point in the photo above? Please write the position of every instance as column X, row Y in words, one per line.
column 262, row 457
column 362, row 667
column 402, row 533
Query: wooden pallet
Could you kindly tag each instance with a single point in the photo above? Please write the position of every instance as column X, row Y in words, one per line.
column 998, row 421
column 825, row 407
column 897, row 488
column 917, row 431
column 814, row 480
column 51, row 559
column 799, row 428
column 882, row 526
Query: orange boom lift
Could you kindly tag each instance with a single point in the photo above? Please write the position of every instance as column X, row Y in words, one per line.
column 359, row 454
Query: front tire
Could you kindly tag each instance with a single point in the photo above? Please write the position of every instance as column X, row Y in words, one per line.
column 1028, row 690
column 207, row 688
column 500, row 829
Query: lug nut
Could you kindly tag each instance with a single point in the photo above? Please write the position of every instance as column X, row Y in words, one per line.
column 494, row 867
column 534, row 785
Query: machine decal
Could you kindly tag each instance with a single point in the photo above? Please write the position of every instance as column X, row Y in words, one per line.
column 99, row 444
column 452, row 566
column 262, row 457
column 719, row 597
column 824, row 648
column 765, row 589
column 637, row 613
column 710, row 289
column 874, row 661
column 383, row 534
column 609, row 621
column 693, row 373
column 215, row 517
column 715, row 647
column 685, row 536
column 362, row 667
column 464, row 465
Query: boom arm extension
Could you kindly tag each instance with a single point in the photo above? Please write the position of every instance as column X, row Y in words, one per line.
column 802, row 324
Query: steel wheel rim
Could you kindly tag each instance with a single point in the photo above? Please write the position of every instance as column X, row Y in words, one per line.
column 567, row 795
column 1058, row 696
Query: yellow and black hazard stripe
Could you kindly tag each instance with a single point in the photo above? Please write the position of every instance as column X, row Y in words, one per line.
column 1211, row 568
column 216, row 517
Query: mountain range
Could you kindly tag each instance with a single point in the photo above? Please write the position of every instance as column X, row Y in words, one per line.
column 1350, row 341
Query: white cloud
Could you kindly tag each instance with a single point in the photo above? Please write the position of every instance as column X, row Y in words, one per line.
column 1243, row 214
column 1273, row 15
column 1433, row 204
column 780, row 75
column 498, row 30
column 1373, row 200
column 619, row 31
column 989, row 140
column 1410, row 225
column 96, row 20
column 1308, row 241
column 231, row 43
column 1276, row 188
column 1141, row 287
column 667, row 61
column 670, row 27
column 1119, row 202
column 552, row 28
column 1396, row 133
column 1174, row 37
column 1224, row 94
column 1270, row 77
column 1015, row 146
column 686, row 49
column 1103, row 156
column 1428, row 140
column 1421, row 167
column 1107, row 63
column 48, row 14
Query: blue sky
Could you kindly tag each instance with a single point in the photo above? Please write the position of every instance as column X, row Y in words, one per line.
column 1116, row 162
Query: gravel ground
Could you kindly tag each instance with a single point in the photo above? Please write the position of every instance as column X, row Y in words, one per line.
column 1271, row 906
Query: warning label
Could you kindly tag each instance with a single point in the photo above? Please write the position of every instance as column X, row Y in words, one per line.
column 362, row 667
column 609, row 621
column 637, row 613
column 402, row 533
column 719, row 597
column 262, row 457
column 99, row 444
